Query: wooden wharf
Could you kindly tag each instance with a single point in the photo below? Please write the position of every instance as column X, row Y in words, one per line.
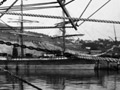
column 103, row 62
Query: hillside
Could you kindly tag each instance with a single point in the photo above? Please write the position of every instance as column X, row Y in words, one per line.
column 33, row 39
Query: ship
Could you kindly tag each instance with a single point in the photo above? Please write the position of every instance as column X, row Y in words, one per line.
column 59, row 59
column 53, row 59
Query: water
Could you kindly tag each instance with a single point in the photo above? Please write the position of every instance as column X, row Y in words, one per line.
column 61, row 80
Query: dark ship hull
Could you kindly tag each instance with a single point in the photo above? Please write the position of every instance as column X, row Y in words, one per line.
column 48, row 63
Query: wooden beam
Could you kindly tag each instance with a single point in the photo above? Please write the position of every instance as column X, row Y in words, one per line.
column 67, row 14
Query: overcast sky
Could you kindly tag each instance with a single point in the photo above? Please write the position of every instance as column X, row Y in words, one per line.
column 92, row 30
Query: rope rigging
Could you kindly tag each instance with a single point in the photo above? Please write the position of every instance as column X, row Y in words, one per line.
column 34, row 6
column 3, row 1
column 85, row 8
column 33, row 27
column 59, row 17
column 8, row 8
column 31, row 6
column 95, row 12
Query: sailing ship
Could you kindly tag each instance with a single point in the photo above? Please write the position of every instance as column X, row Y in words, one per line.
column 60, row 59
column 53, row 59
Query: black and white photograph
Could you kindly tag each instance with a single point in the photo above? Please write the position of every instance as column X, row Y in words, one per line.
column 59, row 45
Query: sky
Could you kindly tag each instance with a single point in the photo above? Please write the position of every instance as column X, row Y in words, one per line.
column 91, row 30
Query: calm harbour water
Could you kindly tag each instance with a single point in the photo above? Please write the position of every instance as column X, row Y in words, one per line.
column 61, row 80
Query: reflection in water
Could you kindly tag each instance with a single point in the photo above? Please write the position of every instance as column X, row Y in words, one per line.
column 62, row 80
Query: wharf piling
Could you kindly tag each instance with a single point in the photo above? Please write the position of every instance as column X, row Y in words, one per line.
column 105, row 63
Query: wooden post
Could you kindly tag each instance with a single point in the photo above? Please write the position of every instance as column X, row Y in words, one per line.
column 21, row 86
column 6, row 65
column 108, row 65
column 27, row 65
column 97, row 65
column 17, row 67
column 21, row 31
column 118, row 63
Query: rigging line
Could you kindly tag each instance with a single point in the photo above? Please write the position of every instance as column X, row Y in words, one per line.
column 28, row 5
column 60, row 17
column 2, row 2
column 115, row 33
column 95, row 11
column 69, row 2
column 7, row 25
column 85, row 8
column 33, row 8
column 8, row 8
column 31, row 5
column 40, row 27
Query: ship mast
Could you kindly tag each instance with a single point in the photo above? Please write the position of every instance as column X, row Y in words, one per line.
column 115, row 36
column 21, row 30
column 63, row 29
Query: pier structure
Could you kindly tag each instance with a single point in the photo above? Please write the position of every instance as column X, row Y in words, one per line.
column 103, row 62
column 100, row 62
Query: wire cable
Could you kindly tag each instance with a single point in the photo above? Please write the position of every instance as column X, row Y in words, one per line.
column 29, row 5
column 85, row 8
column 8, row 8
column 95, row 11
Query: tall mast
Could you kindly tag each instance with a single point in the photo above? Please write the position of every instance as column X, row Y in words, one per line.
column 21, row 30
column 63, row 29
column 115, row 35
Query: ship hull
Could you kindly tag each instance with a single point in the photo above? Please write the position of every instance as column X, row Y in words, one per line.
column 48, row 64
